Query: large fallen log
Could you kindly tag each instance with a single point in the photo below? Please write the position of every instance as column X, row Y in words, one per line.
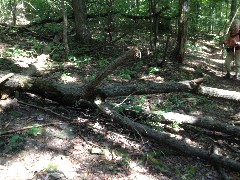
column 69, row 94
column 219, row 93
column 163, row 137
column 200, row 122
column 150, row 88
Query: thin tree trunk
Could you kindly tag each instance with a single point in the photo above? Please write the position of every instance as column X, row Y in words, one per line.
column 182, row 30
column 65, row 28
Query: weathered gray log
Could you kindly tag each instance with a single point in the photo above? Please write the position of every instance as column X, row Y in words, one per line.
column 201, row 122
column 163, row 137
column 219, row 93
column 150, row 88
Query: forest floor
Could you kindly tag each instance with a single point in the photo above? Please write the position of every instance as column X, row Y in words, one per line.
column 91, row 146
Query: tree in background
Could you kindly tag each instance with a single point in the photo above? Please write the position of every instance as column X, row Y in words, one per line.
column 182, row 30
column 65, row 28
column 233, row 9
column 80, row 16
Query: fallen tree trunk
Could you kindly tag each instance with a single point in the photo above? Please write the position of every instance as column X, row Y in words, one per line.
column 200, row 122
column 219, row 93
column 69, row 94
column 165, row 138
column 150, row 88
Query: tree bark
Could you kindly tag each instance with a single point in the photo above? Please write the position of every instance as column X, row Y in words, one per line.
column 201, row 122
column 69, row 94
column 167, row 139
column 219, row 93
column 182, row 30
column 150, row 88
column 65, row 28
column 80, row 16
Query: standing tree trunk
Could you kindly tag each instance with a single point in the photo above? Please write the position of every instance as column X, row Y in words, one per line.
column 13, row 5
column 65, row 27
column 233, row 9
column 80, row 16
column 182, row 30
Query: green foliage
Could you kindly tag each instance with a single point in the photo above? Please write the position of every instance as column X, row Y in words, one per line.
column 124, row 161
column 16, row 139
column 42, row 9
column 154, row 159
column 126, row 73
column 102, row 62
column 15, row 114
column 35, row 131
column 51, row 167
column 154, row 123
column 78, row 62
column 16, row 52
column 153, row 70
column 188, row 174
column 182, row 102
column 193, row 48
column 16, row 142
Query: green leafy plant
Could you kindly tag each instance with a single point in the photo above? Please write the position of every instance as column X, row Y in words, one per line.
column 16, row 139
column 51, row 168
column 16, row 142
column 35, row 131
column 175, row 124
column 124, row 161
column 80, row 61
column 154, row 159
column 188, row 174
column 153, row 70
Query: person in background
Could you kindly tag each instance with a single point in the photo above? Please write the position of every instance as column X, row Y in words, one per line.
column 233, row 50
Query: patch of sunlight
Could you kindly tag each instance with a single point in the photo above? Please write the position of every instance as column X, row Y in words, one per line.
column 219, row 61
column 26, row 166
column 7, row 103
column 138, row 176
column 23, row 61
column 189, row 69
column 42, row 62
column 67, row 78
column 116, row 138
column 98, row 126
column 153, row 78
column 137, row 167
column 177, row 117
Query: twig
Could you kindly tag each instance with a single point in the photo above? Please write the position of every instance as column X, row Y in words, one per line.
column 29, row 127
column 47, row 110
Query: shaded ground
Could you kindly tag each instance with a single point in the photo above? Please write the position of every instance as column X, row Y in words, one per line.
column 90, row 146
